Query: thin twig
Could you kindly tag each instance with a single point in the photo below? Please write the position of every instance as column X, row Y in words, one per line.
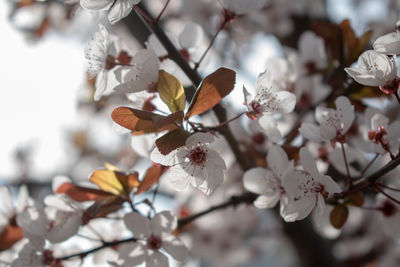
column 162, row 12
column 197, row 64
column 369, row 165
column 349, row 182
column 387, row 195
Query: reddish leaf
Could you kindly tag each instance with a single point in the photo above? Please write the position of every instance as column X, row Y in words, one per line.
column 141, row 122
column 80, row 194
column 339, row 216
column 115, row 182
column 151, row 177
column 102, row 208
column 213, row 88
column 9, row 236
column 172, row 140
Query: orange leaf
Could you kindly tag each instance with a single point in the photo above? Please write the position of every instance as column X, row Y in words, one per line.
column 115, row 182
column 9, row 236
column 80, row 194
column 141, row 122
column 172, row 140
column 213, row 88
column 152, row 175
column 102, row 208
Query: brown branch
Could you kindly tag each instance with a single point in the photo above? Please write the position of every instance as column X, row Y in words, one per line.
column 90, row 251
column 246, row 198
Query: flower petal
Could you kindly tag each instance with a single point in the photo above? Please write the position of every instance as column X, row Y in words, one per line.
column 176, row 248
column 163, row 223
column 138, row 224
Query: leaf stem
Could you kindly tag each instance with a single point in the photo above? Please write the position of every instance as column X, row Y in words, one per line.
column 162, row 12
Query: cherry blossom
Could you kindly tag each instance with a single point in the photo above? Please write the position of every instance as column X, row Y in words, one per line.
column 152, row 236
column 97, row 52
column 9, row 210
column 307, row 188
column 118, row 9
column 268, row 101
column 143, row 75
column 375, row 69
column 384, row 137
column 268, row 182
column 388, row 44
column 56, row 222
column 241, row 7
column 193, row 164
column 334, row 124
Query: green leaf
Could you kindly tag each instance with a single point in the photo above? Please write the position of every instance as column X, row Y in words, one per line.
column 171, row 91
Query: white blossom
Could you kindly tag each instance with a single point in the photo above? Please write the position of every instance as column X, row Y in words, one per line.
column 388, row 44
column 374, row 69
column 56, row 222
column 118, row 9
column 307, row 188
column 143, row 75
column 193, row 164
column 334, row 124
column 152, row 236
column 268, row 101
column 385, row 137
column 8, row 209
column 268, row 182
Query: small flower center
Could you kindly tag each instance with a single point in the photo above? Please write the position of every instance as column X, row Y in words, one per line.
column 154, row 242
column 197, row 156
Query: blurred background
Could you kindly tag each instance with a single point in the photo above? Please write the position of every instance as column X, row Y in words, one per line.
column 52, row 126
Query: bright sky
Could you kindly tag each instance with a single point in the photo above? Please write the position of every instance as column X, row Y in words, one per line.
column 39, row 84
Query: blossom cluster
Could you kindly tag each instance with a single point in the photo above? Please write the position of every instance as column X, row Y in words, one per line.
column 304, row 136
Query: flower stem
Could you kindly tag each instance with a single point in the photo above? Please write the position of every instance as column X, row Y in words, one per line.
column 387, row 195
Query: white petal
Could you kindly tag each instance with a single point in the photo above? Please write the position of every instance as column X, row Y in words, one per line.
column 330, row 185
column 132, row 253
column 120, row 10
column 157, row 259
column 170, row 159
column 256, row 180
column 264, row 202
column 163, row 223
column 363, row 77
column 308, row 163
column 320, row 208
column 96, row 5
column 285, row 102
column 178, row 178
column 23, row 198
column 67, row 225
column 96, row 51
column 388, row 44
column 379, row 120
column 138, row 224
column 7, row 206
column 176, row 248
column 278, row 161
column 269, row 125
column 199, row 138
column 264, row 81
column 345, row 112
column 310, row 131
